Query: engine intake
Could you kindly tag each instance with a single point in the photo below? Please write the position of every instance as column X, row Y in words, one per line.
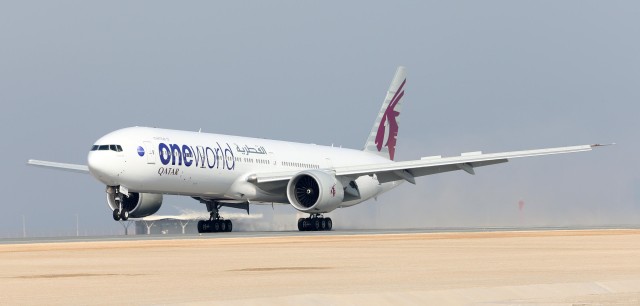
column 138, row 205
column 314, row 191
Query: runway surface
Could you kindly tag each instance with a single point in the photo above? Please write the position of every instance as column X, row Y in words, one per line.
column 257, row 234
column 459, row 267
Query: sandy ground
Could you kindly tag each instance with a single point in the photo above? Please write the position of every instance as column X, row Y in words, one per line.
column 588, row 267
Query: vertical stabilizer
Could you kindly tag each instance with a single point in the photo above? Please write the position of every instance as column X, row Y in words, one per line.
column 384, row 134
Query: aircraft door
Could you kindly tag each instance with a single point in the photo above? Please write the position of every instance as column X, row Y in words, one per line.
column 151, row 153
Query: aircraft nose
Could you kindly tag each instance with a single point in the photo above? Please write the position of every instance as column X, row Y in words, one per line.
column 102, row 167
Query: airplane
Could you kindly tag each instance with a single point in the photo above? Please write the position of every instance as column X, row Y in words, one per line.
column 138, row 165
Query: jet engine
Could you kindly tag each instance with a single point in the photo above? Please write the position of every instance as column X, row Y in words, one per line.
column 314, row 191
column 137, row 204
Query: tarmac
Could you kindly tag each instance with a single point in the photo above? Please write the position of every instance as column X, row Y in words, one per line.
column 503, row 267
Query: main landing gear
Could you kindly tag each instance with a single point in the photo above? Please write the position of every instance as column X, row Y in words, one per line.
column 215, row 222
column 120, row 213
column 315, row 222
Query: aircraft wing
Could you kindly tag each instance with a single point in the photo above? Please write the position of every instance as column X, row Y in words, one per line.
column 59, row 166
column 409, row 170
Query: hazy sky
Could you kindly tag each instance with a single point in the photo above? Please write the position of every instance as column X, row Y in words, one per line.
column 482, row 75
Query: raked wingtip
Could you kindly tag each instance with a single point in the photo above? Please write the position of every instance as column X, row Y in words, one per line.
column 603, row 145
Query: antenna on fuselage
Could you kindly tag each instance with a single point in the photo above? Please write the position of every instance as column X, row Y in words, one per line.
column 200, row 130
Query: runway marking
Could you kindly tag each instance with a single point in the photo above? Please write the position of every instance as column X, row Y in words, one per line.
column 279, row 269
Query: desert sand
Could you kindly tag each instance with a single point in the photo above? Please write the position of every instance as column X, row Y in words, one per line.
column 586, row 267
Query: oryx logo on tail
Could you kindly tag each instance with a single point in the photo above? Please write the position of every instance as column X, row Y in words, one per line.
column 390, row 119
column 384, row 134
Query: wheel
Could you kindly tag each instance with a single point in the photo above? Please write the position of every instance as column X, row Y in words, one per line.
column 216, row 226
column 329, row 224
column 229, row 225
column 124, row 215
column 200, row 229
column 223, row 225
column 301, row 224
column 116, row 215
column 316, row 224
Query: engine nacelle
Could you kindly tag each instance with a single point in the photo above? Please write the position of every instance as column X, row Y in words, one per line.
column 138, row 204
column 314, row 191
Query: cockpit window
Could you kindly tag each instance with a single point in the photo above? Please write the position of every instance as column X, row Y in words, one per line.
column 112, row 147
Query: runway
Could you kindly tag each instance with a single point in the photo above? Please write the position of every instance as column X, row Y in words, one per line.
column 458, row 267
column 339, row 232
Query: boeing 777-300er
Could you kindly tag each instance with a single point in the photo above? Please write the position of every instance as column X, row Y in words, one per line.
column 139, row 165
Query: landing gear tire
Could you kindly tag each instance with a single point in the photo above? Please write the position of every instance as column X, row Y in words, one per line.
column 124, row 215
column 215, row 223
column 116, row 215
column 214, row 226
column 315, row 223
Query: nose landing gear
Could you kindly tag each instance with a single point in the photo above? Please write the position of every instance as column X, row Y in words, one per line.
column 120, row 213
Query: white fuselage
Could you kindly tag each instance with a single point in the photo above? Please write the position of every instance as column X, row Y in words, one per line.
column 213, row 166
